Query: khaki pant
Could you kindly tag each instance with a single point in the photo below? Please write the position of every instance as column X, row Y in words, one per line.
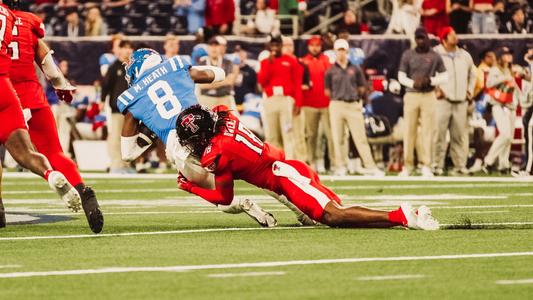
column 350, row 114
column 452, row 117
column 313, row 118
column 113, row 141
column 62, row 112
column 300, row 151
column 501, row 147
column 278, row 122
column 211, row 102
column 418, row 109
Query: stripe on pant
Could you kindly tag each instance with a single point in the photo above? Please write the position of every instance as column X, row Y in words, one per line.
column 312, row 191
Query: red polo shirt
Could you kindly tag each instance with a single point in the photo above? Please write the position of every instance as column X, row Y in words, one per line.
column 315, row 96
column 282, row 76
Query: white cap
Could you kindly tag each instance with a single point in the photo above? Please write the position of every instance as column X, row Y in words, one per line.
column 221, row 40
column 341, row 44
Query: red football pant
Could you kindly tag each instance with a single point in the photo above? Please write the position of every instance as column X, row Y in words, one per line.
column 309, row 198
column 11, row 117
column 43, row 133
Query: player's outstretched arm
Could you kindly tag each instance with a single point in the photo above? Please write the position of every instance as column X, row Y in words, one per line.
column 207, row 74
column 133, row 140
column 45, row 60
column 222, row 194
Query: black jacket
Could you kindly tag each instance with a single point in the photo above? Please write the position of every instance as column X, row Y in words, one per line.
column 114, row 84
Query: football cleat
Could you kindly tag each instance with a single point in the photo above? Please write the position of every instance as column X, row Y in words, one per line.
column 265, row 219
column 65, row 190
column 409, row 215
column 425, row 220
column 92, row 209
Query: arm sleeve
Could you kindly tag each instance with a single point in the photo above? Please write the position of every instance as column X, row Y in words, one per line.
column 38, row 27
column 327, row 80
column 439, row 78
column 360, row 77
column 472, row 76
column 263, row 77
column 404, row 80
column 223, row 192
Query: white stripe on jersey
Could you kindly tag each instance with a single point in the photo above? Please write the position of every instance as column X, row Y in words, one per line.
column 179, row 61
column 128, row 95
column 312, row 191
column 122, row 100
column 173, row 64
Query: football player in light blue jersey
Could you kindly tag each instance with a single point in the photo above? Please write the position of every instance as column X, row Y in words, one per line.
column 159, row 90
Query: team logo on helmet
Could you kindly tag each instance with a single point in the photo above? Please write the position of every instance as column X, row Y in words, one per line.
column 188, row 122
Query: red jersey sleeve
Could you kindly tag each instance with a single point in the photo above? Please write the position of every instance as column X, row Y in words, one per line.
column 37, row 26
column 213, row 160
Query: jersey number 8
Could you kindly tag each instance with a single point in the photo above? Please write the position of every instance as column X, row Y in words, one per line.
column 166, row 103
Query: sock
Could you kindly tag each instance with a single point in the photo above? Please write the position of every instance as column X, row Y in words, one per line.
column 397, row 217
column 47, row 173
column 79, row 187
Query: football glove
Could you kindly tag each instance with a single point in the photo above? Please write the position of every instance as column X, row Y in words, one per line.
column 66, row 92
column 184, row 183
column 146, row 136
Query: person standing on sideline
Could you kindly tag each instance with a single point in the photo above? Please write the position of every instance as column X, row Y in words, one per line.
column 421, row 70
column 451, row 109
column 315, row 105
column 504, row 96
column 280, row 76
column 298, row 118
column 527, row 117
column 113, row 84
column 346, row 86
column 219, row 93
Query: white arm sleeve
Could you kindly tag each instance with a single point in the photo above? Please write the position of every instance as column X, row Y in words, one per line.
column 220, row 75
column 129, row 148
column 53, row 74
column 439, row 79
column 404, row 80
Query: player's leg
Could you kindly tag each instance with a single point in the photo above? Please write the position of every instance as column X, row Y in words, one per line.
column 43, row 133
column 300, row 185
column 2, row 210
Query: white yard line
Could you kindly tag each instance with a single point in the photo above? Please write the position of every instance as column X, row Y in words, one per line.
column 483, row 206
column 391, row 277
column 328, row 177
column 519, row 281
column 485, row 211
column 246, row 274
column 189, row 231
column 269, row 264
column 78, row 236
column 10, row 266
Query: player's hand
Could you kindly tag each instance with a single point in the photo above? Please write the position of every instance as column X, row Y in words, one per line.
column 297, row 110
column 66, row 92
column 184, row 183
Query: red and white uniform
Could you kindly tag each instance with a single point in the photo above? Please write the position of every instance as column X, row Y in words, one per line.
column 10, row 111
column 236, row 153
column 27, row 31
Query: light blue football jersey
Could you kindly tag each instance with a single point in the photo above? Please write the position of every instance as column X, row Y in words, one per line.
column 159, row 95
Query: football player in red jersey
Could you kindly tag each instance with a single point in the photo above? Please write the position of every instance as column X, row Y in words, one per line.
column 13, row 131
column 26, row 47
column 231, row 151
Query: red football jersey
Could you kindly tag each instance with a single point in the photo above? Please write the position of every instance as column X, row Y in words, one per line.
column 7, row 20
column 237, row 150
column 27, row 31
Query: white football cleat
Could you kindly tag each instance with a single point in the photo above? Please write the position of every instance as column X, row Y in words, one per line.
column 65, row 190
column 410, row 215
column 262, row 217
column 425, row 220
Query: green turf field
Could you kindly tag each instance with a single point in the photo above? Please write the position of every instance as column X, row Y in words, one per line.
column 160, row 243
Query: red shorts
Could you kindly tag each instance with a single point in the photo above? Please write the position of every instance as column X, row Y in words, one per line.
column 311, row 198
column 31, row 94
column 11, row 116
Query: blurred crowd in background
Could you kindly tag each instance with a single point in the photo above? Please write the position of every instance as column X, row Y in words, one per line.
column 440, row 114
column 262, row 17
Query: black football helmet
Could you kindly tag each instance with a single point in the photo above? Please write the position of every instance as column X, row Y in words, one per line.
column 195, row 128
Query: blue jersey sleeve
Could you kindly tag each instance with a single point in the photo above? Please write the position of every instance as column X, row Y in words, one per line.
column 124, row 100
